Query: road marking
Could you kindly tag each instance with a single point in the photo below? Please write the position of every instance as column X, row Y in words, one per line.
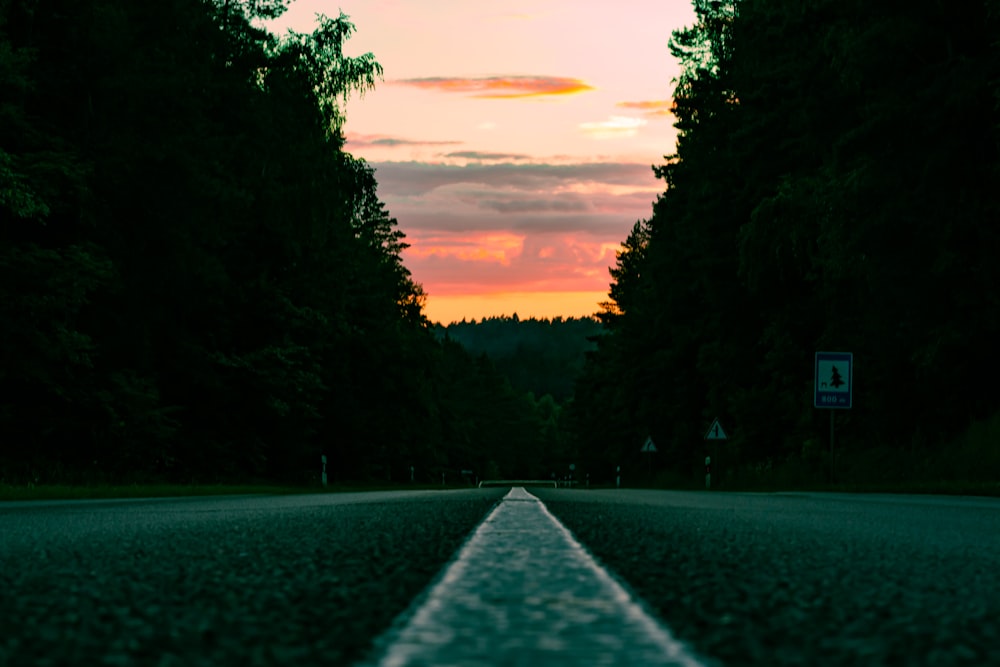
column 523, row 591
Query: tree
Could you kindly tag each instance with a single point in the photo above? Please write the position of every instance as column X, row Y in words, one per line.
column 835, row 380
column 205, row 252
column 808, row 206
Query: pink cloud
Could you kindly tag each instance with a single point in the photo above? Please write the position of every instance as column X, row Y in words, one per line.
column 487, row 156
column 651, row 107
column 384, row 141
column 515, row 227
column 448, row 264
column 495, row 247
column 501, row 87
column 418, row 178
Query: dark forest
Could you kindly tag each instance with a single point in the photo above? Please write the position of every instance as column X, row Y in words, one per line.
column 198, row 283
column 834, row 187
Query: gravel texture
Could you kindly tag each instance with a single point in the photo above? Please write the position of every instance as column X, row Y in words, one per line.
column 809, row 579
column 295, row 580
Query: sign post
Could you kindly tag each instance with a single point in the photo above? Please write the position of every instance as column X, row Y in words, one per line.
column 715, row 433
column 834, row 388
column 649, row 448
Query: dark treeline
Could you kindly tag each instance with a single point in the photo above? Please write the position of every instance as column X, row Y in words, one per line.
column 540, row 356
column 835, row 187
column 196, row 281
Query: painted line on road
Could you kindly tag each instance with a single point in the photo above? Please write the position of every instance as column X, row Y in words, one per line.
column 524, row 591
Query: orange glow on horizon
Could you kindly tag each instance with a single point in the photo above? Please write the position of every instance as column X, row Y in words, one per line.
column 446, row 309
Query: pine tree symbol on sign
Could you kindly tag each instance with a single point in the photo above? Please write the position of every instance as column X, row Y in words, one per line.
column 834, row 380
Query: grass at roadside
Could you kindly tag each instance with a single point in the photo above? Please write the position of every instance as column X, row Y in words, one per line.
column 108, row 491
column 967, row 465
column 940, row 488
column 943, row 488
column 103, row 491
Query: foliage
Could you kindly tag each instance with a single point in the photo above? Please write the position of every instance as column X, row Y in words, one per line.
column 543, row 356
column 834, row 188
column 196, row 282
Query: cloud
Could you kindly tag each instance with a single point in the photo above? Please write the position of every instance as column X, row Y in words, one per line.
column 535, row 205
column 469, row 263
column 531, row 201
column 417, row 178
column 480, row 155
column 614, row 226
column 652, row 108
column 500, row 87
column 616, row 126
column 362, row 140
column 512, row 226
column 492, row 247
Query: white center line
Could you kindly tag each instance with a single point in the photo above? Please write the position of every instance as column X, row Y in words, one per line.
column 523, row 591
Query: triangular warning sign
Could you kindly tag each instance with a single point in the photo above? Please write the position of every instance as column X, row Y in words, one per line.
column 715, row 432
column 648, row 446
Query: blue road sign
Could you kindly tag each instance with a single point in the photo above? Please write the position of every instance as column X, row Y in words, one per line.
column 834, row 380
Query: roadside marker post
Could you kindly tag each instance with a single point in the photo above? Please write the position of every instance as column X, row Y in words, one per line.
column 322, row 459
column 834, row 387
column 618, row 477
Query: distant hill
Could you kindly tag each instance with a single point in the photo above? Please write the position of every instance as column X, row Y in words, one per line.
column 540, row 356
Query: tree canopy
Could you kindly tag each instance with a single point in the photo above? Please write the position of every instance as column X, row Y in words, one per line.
column 196, row 281
column 834, row 187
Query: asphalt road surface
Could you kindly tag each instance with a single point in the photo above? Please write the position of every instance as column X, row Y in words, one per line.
column 251, row 581
column 805, row 579
column 740, row 579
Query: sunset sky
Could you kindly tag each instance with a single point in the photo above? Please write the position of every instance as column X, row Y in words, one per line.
column 512, row 140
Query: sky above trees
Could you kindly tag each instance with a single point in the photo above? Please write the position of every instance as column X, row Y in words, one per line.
column 512, row 140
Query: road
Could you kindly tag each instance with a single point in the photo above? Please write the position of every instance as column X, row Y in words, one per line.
column 741, row 579
column 805, row 579
column 252, row 581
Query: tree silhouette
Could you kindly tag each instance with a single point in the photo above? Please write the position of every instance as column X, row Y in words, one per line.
column 777, row 232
